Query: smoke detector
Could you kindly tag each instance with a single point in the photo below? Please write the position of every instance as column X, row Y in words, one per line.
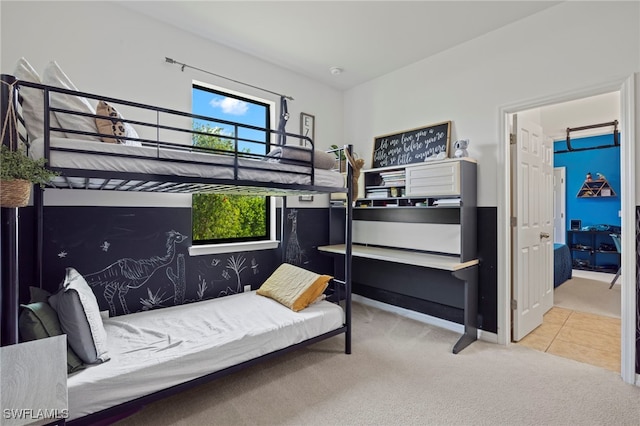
column 336, row 70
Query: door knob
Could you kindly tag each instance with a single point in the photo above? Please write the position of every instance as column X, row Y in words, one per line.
column 544, row 235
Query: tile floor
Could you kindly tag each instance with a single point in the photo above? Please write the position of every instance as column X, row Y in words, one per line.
column 584, row 337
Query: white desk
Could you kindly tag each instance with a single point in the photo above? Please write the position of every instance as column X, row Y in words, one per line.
column 464, row 271
column 427, row 260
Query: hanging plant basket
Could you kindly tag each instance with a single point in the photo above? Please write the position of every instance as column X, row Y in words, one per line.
column 15, row 193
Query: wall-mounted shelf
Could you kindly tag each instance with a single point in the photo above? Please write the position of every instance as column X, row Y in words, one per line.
column 596, row 188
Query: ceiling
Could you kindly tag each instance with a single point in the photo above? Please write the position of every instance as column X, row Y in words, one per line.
column 366, row 39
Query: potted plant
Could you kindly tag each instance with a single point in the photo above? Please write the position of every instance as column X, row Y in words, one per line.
column 339, row 153
column 18, row 173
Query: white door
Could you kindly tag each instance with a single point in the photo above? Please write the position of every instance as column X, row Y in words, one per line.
column 532, row 230
column 559, row 205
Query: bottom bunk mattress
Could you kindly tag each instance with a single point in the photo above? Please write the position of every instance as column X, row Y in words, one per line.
column 562, row 264
column 157, row 349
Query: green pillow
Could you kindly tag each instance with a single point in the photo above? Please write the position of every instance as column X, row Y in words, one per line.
column 37, row 321
column 38, row 295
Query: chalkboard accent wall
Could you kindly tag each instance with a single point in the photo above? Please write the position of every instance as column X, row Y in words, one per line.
column 637, row 290
column 137, row 259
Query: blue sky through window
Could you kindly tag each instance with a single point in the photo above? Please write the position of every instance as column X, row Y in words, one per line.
column 234, row 109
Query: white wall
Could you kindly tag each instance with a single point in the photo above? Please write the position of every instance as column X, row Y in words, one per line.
column 581, row 112
column 562, row 49
column 108, row 49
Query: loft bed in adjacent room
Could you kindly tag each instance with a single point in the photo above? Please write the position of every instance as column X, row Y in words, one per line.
column 160, row 164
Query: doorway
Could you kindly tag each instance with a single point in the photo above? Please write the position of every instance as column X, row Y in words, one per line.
column 627, row 192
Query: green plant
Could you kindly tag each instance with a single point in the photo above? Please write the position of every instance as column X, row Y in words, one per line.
column 339, row 153
column 16, row 165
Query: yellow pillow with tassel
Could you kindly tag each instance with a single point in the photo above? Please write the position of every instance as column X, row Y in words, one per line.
column 294, row 287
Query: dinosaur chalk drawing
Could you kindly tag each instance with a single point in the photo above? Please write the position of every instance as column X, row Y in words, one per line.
column 125, row 274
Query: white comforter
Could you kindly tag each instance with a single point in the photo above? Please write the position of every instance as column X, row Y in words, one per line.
column 156, row 349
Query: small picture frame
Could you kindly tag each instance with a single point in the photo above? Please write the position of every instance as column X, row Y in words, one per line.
column 305, row 198
column 576, row 224
column 307, row 128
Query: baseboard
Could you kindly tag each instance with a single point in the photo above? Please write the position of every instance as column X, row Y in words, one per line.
column 427, row 319
column 487, row 336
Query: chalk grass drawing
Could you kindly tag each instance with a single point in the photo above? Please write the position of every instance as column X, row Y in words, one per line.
column 294, row 252
column 179, row 280
column 254, row 266
column 153, row 301
column 237, row 266
column 202, row 287
column 125, row 274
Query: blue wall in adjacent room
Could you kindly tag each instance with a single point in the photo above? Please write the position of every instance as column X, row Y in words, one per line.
column 595, row 210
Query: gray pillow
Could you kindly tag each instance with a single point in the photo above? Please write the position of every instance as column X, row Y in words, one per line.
column 321, row 160
column 80, row 318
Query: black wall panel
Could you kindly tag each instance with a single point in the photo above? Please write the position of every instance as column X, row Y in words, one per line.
column 137, row 258
column 435, row 292
column 488, row 270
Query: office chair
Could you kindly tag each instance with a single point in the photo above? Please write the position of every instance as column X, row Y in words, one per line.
column 616, row 241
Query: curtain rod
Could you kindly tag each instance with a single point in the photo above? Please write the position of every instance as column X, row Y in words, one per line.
column 183, row 66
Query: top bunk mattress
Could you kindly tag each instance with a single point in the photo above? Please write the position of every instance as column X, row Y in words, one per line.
column 158, row 163
column 156, row 349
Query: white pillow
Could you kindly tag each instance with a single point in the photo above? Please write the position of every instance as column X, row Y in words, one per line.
column 54, row 76
column 32, row 101
column 80, row 319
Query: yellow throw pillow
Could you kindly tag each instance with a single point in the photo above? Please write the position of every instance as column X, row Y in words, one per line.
column 294, row 287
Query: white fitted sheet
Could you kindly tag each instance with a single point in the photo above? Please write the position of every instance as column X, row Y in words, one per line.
column 209, row 166
column 156, row 349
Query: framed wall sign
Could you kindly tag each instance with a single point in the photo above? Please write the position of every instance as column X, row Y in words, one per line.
column 307, row 127
column 412, row 146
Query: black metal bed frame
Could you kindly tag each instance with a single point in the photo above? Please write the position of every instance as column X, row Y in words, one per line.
column 9, row 300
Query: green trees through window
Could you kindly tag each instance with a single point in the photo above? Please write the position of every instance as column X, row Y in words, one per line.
column 220, row 218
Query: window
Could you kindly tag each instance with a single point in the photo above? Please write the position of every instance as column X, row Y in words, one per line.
column 221, row 218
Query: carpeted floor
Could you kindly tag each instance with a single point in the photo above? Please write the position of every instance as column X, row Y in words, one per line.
column 402, row 372
column 589, row 292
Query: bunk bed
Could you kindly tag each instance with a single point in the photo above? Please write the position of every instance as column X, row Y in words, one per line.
column 144, row 164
